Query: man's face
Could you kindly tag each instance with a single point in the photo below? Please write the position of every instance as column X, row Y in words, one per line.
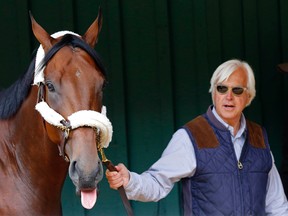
column 229, row 105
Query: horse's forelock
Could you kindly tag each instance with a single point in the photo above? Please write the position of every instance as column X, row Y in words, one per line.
column 74, row 41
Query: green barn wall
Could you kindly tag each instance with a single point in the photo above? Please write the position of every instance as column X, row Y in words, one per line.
column 160, row 56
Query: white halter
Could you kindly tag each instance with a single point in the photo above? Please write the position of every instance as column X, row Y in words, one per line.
column 78, row 119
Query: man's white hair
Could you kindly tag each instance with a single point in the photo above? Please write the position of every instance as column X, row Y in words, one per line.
column 224, row 71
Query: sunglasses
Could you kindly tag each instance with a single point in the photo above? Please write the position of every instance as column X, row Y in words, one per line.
column 222, row 89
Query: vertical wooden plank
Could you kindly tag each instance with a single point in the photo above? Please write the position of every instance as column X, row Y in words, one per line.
column 23, row 35
column 283, row 11
column 67, row 16
column 214, row 38
column 139, row 62
column 252, row 49
column 232, row 29
column 202, row 74
column 183, row 60
column 269, row 58
column 15, row 39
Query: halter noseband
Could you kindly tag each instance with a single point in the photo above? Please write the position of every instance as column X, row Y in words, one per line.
column 83, row 118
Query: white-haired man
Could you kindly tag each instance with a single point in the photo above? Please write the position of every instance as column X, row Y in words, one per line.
column 223, row 159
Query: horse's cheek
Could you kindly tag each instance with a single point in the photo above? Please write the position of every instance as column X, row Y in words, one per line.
column 53, row 133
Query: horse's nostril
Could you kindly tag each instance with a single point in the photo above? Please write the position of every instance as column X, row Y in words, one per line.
column 76, row 170
column 72, row 169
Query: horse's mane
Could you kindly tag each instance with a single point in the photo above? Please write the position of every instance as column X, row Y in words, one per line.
column 12, row 97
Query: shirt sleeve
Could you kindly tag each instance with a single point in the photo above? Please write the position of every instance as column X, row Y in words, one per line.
column 276, row 201
column 177, row 161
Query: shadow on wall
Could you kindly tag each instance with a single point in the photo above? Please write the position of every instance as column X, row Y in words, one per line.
column 284, row 164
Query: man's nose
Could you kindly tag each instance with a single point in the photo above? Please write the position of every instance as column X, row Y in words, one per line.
column 229, row 94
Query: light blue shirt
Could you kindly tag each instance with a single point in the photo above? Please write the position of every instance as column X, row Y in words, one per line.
column 178, row 161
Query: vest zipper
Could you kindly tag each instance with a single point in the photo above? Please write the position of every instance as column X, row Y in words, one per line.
column 240, row 165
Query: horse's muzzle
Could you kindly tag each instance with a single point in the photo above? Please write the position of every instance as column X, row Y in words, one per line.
column 86, row 182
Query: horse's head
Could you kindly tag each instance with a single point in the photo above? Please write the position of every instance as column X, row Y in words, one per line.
column 71, row 78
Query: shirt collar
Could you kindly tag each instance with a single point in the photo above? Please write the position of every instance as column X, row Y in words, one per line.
column 230, row 128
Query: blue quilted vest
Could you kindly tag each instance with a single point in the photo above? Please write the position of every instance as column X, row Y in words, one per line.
column 222, row 185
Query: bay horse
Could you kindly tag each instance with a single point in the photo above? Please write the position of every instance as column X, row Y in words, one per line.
column 54, row 108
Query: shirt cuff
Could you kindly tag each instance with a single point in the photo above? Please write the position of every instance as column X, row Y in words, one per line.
column 133, row 185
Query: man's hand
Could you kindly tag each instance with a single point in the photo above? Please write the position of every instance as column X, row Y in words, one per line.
column 118, row 179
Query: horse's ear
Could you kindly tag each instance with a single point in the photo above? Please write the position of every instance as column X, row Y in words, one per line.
column 41, row 35
column 91, row 35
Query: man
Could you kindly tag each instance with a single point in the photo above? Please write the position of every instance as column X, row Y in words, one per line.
column 223, row 160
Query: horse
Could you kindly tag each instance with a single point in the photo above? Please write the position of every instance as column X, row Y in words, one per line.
column 53, row 109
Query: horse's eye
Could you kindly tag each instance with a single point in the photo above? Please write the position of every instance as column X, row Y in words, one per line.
column 50, row 86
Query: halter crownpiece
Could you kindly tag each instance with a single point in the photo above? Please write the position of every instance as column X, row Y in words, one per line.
column 80, row 118
column 39, row 70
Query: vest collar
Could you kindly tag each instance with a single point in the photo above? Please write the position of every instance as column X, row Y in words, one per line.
column 217, row 121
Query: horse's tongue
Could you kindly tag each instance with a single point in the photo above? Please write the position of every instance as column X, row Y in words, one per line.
column 88, row 198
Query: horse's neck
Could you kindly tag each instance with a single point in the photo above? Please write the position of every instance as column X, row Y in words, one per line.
column 33, row 137
column 30, row 164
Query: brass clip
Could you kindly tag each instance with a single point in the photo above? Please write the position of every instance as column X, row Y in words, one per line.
column 103, row 156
